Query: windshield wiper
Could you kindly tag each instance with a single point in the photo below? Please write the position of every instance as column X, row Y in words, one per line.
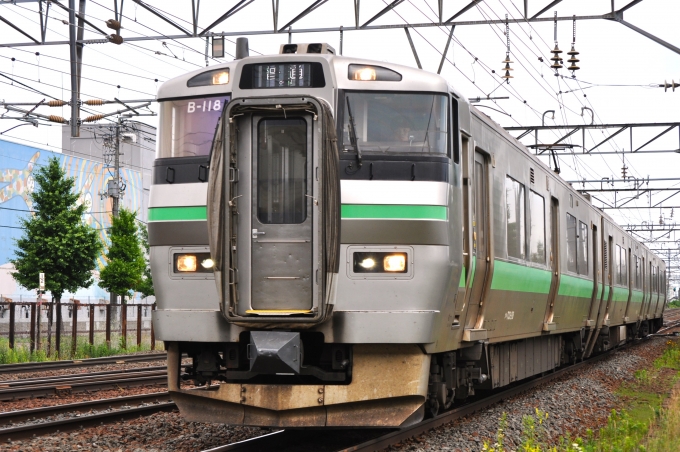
column 353, row 133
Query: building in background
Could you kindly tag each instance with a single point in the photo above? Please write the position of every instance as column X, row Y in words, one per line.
column 89, row 159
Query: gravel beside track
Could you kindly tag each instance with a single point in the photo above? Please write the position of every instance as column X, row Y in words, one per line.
column 574, row 403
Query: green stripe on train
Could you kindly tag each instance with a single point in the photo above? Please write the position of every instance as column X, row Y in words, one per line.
column 193, row 213
column 519, row 278
column 637, row 296
column 571, row 286
column 393, row 211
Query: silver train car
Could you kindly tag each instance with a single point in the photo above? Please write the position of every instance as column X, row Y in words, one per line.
column 339, row 242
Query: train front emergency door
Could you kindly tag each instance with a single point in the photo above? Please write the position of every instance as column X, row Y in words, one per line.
column 281, row 220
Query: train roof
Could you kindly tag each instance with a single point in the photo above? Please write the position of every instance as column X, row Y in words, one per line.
column 413, row 79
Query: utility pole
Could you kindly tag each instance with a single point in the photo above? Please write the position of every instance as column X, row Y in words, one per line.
column 114, row 189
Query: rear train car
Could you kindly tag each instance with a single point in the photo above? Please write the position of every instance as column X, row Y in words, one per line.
column 340, row 242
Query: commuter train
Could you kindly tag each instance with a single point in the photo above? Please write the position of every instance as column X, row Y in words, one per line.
column 340, row 242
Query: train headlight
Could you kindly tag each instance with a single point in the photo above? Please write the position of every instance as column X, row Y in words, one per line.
column 186, row 263
column 380, row 262
column 207, row 78
column 365, row 73
column 193, row 263
column 367, row 263
column 395, row 262
column 220, row 78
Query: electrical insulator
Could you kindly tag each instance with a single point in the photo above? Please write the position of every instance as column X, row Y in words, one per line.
column 94, row 102
column 556, row 58
column 671, row 85
column 572, row 53
column 507, row 60
column 55, row 118
column 56, row 103
column 113, row 24
column 507, row 67
column 93, row 118
column 573, row 60
column 116, row 39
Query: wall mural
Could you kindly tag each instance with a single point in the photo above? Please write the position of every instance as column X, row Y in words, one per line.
column 17, row 162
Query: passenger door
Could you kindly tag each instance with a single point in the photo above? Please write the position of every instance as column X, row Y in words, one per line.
column 480, row 242
column 548, row 324
column 281, row 218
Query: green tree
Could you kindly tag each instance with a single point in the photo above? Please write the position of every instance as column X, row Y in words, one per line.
column 146, row 286
column 55, row 239
column 124, row 271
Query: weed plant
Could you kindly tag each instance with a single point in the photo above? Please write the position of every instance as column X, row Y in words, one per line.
column 644, row 427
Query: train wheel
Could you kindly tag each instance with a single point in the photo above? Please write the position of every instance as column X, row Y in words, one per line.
column 432, row 407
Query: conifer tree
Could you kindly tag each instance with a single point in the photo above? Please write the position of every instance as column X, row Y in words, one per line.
column 146, row 286
column 123, row 273
column 55, row 239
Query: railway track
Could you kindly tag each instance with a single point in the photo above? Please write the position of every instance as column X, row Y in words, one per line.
column 72, row 364
column 96, row 381
column 105, row 411
column 129, row 407
column 291, row 440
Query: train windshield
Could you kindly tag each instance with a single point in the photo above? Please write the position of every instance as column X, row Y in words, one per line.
column 393, row 122
column 187, row 126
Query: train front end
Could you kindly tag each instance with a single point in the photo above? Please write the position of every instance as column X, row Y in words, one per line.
column 302, row 253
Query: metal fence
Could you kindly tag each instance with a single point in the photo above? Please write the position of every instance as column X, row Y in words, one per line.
column 100, row 323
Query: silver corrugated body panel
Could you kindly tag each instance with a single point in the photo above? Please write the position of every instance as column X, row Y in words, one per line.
column 383, row 327
column 192, row 326
column 424, row 193
column 177, row 291
column 178, row 195
column 426, row 291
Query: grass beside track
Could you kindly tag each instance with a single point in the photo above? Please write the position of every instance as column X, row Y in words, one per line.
column 650, row 423
column 21, row 352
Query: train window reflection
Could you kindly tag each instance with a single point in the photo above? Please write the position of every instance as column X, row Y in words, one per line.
column 389, row 122
column 514, row 206
column 571, row 243
column 537, row 231
column 582, row 248
column 282, row 171
column 624, row 265
column 187, row 126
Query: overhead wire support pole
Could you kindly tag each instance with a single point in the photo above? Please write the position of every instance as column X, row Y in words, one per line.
column 74, row 67
column 79, row 56
column 446, row 50
column 413, row 48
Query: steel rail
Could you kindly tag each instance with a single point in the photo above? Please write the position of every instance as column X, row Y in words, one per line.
column 11, row 417
column 76, row 423
column 53, row 365
column 285, row 438
column 153, row 378
column 59, row 379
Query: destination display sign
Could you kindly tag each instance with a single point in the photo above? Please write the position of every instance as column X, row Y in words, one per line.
column 282, row 75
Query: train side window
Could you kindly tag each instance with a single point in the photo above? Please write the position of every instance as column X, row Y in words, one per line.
column 624, row 266
column 455, row 130
column 571, row 243
column 537, row 228
column 582, row 252
column 617, row 259
column 515, row 211
column 636, row 279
